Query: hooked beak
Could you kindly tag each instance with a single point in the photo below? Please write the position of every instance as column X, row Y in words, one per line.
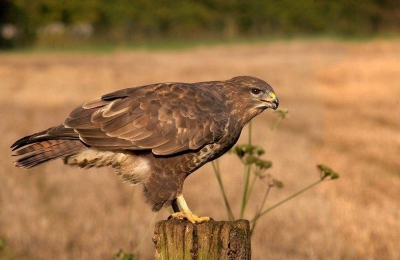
column 271, row 100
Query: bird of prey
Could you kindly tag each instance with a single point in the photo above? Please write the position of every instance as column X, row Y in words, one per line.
column 154, row 135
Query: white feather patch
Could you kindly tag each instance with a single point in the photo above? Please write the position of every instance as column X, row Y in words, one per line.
column 131, row 167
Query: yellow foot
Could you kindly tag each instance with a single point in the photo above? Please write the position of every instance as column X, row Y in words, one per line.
column 190, row 216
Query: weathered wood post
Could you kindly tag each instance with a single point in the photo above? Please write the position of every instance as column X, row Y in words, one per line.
column 182, row 240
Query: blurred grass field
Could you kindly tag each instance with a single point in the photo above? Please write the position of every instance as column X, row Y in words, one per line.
column 344, row 102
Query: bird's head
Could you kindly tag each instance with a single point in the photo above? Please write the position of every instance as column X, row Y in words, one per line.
column 263, row 96
column 251, row 95
column 255, row 92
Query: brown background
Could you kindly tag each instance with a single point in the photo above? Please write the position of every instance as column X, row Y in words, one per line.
column 344, row 106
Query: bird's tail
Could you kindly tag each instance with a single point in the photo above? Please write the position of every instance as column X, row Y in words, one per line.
column 47, row 145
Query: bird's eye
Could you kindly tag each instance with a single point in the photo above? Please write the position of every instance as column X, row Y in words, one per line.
column 255, row 91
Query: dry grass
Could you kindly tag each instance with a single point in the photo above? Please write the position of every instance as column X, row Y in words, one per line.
column 344, row 102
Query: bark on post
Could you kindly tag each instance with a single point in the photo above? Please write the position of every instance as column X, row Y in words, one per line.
column 180, row 239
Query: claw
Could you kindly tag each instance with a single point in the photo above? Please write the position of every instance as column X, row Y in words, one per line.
column 190, row 217
column 184, row 212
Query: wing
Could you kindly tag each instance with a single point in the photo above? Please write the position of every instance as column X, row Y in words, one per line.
column 167, row 118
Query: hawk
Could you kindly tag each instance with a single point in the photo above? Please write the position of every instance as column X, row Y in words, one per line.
column 154, row 135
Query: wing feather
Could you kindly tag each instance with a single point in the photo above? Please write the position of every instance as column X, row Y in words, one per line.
column 120, row 124
column 107, row 142
column 166, row 118
column 137, row 134
column 170, row 148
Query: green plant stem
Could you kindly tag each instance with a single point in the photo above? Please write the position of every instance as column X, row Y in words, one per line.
column 253, row 226
column 253, row 180
column 285, row 200
column 146, row 234
column 246, row 177
column 250, row 129
column 245, row 190
column 128, row 225
column 217, row 172
column 276, row 123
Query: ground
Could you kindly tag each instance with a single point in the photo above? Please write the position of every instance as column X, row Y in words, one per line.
column 344, row 102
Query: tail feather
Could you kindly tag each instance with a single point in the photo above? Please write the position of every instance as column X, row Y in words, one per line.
column 45, row 146
column 46, row 151
column 58, row 132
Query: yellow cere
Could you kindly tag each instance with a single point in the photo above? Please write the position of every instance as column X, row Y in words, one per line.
column 272, row 95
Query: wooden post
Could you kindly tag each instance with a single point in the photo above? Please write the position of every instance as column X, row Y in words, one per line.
column 182, row 240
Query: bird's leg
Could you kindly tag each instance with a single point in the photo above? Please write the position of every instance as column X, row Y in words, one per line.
column 185, row 211
column 175, row 206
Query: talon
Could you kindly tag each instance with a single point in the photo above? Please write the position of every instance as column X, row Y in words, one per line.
column 185, row 212
column 190, row 217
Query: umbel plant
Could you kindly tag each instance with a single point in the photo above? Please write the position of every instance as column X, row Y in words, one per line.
column 255, row 169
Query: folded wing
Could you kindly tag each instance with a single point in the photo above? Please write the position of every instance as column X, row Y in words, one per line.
column 167, row 118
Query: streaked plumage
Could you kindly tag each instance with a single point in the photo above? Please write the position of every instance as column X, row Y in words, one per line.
column 153, row 135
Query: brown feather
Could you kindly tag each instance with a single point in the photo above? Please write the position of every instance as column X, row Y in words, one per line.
column 41, row 152
column 148, row 121
column 155, row 135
